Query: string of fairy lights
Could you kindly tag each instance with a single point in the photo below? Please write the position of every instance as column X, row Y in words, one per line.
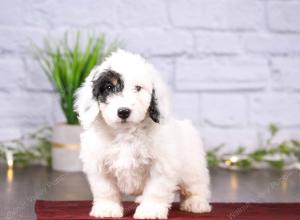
column 271, row 155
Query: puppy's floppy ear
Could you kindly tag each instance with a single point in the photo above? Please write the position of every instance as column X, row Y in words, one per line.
column 159, row 105
column 86, row 105
column 153, row 108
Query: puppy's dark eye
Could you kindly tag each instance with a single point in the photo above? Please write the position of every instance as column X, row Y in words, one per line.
column 138, row 88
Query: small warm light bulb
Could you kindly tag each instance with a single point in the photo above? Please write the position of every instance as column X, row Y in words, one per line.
column 9, row 159
column 10, row 174
column 228, row 162
column 234, row 159
column 10, row 163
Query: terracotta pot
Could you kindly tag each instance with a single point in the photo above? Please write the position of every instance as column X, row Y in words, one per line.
column 65, row 147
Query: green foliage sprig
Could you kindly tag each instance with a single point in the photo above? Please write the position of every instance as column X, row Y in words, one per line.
column 66, row 67
column 274, row 155
column 30, row 148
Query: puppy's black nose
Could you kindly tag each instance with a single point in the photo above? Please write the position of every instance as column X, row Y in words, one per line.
column 124, row 113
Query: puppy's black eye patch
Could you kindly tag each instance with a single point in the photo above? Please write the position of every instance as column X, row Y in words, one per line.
column 109, row 82
column 108, row 87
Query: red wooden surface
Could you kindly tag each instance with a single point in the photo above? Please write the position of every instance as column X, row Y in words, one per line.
column 78, row 210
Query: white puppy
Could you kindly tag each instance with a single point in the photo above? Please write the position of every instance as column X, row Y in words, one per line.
column 131, row 144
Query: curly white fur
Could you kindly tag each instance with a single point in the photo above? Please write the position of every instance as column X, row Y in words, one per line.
column 139, row 157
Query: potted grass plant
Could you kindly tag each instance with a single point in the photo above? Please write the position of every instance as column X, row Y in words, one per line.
column 66, row 66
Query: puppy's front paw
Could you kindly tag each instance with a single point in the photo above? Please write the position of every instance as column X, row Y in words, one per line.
column 151, row 210
column 103, row 209
column 195, row 204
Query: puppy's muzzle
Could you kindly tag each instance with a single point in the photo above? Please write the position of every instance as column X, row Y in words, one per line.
column 124, row 113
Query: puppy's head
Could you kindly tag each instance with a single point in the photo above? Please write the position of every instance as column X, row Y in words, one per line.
column 124, row 90
column 124, row 100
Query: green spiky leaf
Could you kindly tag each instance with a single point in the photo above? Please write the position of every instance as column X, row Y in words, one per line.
column 67, row 66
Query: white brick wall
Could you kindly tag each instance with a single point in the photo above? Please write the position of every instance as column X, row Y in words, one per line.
column 284, row 17
column 219, row 73
column 218, row 14
column 286, row 73
column 233, row 65
column 223, row 110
